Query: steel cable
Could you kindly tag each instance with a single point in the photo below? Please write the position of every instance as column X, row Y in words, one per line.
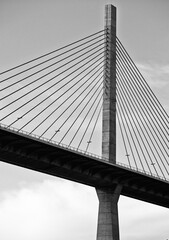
column 44, row 55
column 50, row 59
column 134, row 104
column 76, row 109
column 90, row 120
column 146, row 106
column 122, row 134
column 86, row 114
column 63, row 103
column 142, row 104
column 48, row 87
column 129, row 108
column 46, row 73
column 96, row 121
column 144, row 83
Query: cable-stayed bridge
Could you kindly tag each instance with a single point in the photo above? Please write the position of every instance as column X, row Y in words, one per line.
column 57, row 109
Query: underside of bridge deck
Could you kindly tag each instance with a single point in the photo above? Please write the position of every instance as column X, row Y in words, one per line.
column 35, row 154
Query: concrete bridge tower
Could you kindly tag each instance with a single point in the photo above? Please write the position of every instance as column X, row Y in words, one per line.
column 108, row 224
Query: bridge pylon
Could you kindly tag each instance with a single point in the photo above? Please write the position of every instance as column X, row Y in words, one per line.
column 108, row 223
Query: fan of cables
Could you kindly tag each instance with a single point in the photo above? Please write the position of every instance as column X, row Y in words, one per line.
column 142, row 119
column 59, row 94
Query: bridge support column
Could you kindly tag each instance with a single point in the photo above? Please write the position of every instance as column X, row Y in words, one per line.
column 108, row 223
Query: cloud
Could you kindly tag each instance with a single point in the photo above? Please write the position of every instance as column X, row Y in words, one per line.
column 140, row 220
column 59, row 209
column 49, row 210
column 157, row 77
column 155, row 74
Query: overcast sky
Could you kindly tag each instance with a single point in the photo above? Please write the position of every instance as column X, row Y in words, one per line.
column 35, row 206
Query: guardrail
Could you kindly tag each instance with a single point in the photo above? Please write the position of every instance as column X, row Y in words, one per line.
column 32, row 135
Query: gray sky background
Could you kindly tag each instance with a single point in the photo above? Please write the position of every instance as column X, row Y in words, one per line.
column 35, row 206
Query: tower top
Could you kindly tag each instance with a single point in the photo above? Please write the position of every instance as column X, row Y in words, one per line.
column 110, row 15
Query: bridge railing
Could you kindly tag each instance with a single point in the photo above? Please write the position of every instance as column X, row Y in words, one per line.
column 54, row 143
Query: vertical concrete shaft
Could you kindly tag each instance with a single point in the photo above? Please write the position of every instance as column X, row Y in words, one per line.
column 108, row 223
column 109, row 95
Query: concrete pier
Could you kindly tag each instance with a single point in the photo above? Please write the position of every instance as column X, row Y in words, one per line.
column 108, row 223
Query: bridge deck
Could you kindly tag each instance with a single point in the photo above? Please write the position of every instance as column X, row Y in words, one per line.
column 35, row 154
